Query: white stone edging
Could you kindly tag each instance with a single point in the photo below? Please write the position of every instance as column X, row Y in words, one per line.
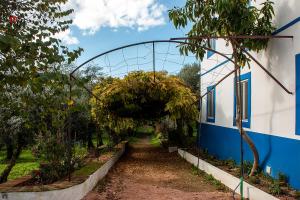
column 250, row 192
column 75, row 192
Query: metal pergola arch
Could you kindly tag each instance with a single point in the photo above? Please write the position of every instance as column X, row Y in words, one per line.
column 153, row 42
column 184, row 42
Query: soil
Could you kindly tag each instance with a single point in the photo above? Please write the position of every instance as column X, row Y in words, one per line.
column 148, row 172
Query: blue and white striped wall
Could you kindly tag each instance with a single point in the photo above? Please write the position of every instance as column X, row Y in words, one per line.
column 275, row 115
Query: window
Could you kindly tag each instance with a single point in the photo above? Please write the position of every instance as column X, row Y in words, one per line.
column 211, row 104
column 244, row 99
column 212, row 43
column 245, row 85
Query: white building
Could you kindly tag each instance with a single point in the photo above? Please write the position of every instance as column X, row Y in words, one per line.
column 272, row 116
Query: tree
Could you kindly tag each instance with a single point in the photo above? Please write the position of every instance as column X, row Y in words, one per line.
column 140, row 97
column 191, row 77
column 227, row 18
column 30, row 55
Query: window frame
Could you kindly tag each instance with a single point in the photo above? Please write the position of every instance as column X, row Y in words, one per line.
column 209, row 118
column 245, row 123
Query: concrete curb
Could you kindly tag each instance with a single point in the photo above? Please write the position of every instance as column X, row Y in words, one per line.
column 227, row 179
column 76, row 192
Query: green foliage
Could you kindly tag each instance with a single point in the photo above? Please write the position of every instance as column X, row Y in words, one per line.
column 87, row 169
column 32, row 81
column 138, row 96
column 191, row 77
column 197, row 172
column 156, row 140
column 133, row 140
column 282, row 178
column 254, row 180
column 297, row 195
column 49, row 173
column 20, row 169
column 208, row 178
column 230, row 163
column 247, row 167
column 274, row 188
column 80, row 152
column 224, row 18
column 25, row 164
column 30, row 46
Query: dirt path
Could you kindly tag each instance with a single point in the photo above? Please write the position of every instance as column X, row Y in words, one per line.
column 148, row 172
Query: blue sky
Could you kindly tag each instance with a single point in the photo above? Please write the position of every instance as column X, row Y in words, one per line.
column 97, row 34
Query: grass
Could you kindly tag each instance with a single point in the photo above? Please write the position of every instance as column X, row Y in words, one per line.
column 25, row 164
column 132, row 140
column 105, row 139
column 209, row 179
column 88, row 169
column 80, row 151
column 155, row 140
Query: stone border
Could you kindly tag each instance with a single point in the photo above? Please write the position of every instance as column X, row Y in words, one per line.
column 227, row 179
column 76, row 192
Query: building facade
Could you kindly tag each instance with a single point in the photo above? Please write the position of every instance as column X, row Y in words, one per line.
column 271, row 116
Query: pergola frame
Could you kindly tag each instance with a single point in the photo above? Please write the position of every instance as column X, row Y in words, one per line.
column 183, row 41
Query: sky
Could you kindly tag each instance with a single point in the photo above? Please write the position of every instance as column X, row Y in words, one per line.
column 101, row 25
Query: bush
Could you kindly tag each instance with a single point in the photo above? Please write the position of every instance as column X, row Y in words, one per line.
column 275, row 188
column 297, row 195
column 283, row 179
column 230, row 163
column 53, row 151
column 254, row 180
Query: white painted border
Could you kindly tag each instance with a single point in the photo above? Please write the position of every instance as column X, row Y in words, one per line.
column 227, row 179
column 76, row 192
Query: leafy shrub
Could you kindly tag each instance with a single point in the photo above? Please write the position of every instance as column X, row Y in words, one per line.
column 247, row 167
column 297, row 195
column 274, row 188
column 49, row 173
column 230, row 163
column 282, row 178
column 254, row 180
column 53, row 151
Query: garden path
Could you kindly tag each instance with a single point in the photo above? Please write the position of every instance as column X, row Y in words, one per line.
column 149, row 172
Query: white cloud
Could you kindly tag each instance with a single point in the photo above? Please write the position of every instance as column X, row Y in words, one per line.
column 67, row 37
column 92, row 15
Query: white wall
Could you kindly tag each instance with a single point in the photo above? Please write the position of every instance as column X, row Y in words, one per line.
column 273, row 110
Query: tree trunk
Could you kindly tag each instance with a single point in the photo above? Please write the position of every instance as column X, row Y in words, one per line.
column 91, row 129
column 190, row 130
column 11, row 164
column 115, row 137
column 90, row 144
column 180, row 136
column 239, row 114
column 99, row 139
column 9, row 149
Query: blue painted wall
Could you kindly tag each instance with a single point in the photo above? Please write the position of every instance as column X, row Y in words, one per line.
column 297, row 60
column 282, row 154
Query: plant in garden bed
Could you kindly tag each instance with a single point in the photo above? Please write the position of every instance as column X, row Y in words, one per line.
column 277, row 187
column 209, row 178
